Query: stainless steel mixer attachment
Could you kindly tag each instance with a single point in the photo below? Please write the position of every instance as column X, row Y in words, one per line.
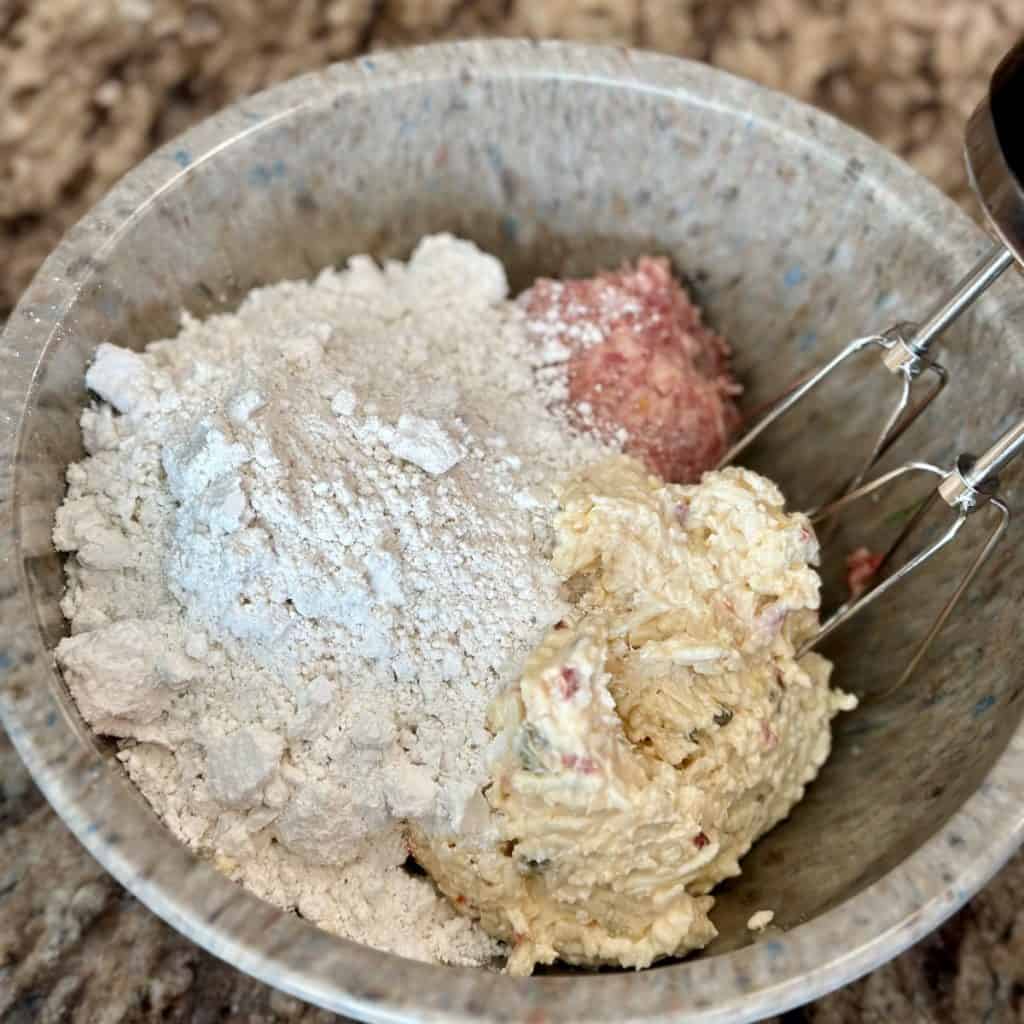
column 972, row 484
column 995, row 162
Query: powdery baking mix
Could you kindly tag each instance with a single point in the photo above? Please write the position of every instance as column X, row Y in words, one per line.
column 328, row 518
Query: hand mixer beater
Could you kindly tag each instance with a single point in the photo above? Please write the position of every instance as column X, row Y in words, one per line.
column 995, row 161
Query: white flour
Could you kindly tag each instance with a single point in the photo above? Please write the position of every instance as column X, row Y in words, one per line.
column 310, row 544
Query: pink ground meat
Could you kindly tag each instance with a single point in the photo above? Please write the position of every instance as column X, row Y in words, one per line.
column 861, row 566
column 641, row 361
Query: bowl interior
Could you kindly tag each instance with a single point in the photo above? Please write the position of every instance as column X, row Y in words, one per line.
column 790, row 247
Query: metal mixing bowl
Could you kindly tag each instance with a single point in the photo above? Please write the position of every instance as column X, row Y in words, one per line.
column 796, row 234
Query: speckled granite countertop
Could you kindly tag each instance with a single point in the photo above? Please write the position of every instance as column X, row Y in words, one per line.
column 88, row 87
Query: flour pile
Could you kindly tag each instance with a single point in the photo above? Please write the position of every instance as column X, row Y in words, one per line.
column 311, row 544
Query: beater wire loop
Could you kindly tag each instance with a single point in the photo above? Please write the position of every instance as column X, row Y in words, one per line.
column 851, row 607
column 947, row 609
column 797, row 392
column 972, row 484
column 909, row 370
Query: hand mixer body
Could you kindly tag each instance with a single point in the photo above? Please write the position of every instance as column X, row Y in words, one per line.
column 995, row 143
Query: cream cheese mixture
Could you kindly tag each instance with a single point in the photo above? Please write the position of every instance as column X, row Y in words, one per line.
column 657, row 731
column 354, row 571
